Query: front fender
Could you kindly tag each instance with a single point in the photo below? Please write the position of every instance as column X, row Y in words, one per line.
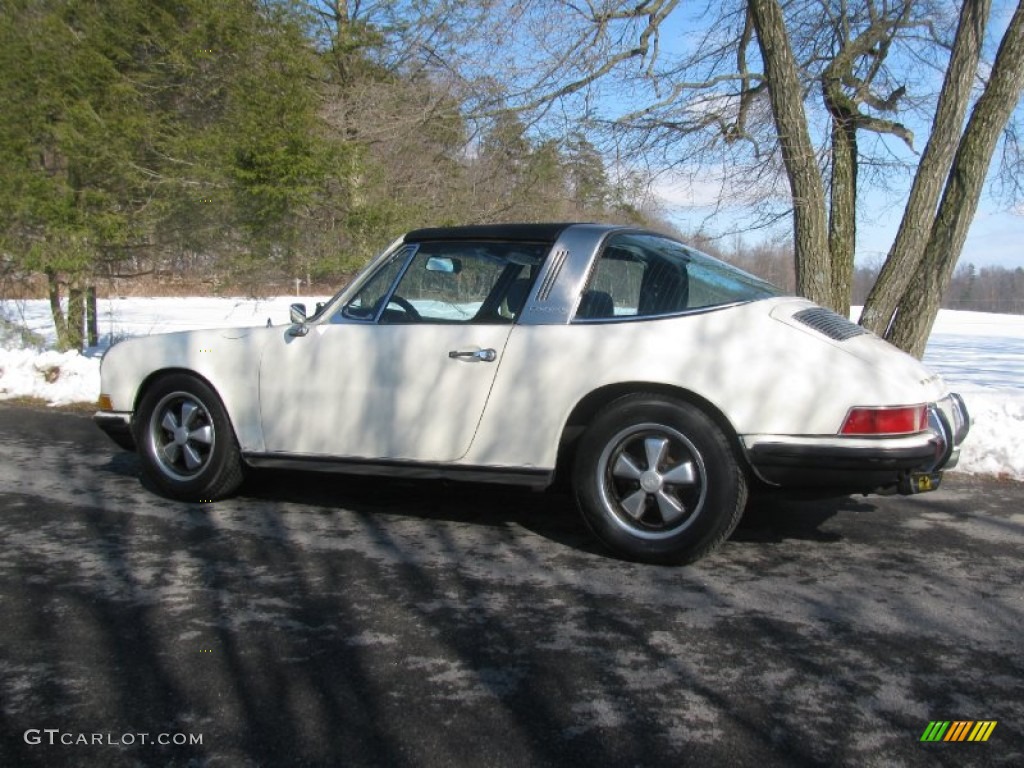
column 227, row 359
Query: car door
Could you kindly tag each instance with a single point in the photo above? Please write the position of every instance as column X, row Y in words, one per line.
column 403, row 370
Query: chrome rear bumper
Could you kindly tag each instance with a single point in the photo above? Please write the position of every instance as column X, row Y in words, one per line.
column 904, row 464
column 950, row 422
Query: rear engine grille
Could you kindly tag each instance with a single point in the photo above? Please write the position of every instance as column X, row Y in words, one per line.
column 829, row 323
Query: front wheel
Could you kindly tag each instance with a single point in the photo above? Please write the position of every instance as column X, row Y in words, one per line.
column 186, row 442
column 658, row 481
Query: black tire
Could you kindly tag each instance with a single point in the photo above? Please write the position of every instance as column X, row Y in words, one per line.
column 658, row 481
column 188, row 447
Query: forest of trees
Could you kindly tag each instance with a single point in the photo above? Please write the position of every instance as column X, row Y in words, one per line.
column 979, row 289
column 246, row 143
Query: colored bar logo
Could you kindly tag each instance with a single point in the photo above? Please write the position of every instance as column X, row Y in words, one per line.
column 959, row 730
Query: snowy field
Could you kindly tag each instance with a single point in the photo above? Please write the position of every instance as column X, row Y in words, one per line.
column 980, row 355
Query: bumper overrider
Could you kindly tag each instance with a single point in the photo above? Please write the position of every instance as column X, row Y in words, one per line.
column 903, row 464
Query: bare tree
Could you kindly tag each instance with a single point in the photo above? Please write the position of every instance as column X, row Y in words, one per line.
column 908, row 248
column 770, row 94
column 920, row 302
column 813, row 266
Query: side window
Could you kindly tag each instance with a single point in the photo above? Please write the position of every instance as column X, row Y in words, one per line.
column 444, row 284
column 643, row 275
column 620, row 276
column 454, row 282
column 630, row 281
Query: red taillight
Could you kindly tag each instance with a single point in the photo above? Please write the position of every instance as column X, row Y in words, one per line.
column 904, row 420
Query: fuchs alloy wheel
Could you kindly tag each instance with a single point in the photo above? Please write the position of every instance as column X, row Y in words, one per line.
column 658, row 481
column 185, row 439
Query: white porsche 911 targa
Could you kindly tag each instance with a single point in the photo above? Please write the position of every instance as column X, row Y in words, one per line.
column 663, row 383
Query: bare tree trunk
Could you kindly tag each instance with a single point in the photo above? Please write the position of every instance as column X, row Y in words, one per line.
column 91, row 325
column 813, row 267
column 920, row 303
column 907, row 250
column 76, row 314
column 59, row 323
column 842, row 221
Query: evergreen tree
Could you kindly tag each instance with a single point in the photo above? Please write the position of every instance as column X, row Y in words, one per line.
column 135, row 129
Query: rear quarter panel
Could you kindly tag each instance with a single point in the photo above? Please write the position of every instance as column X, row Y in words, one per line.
column 764, row 375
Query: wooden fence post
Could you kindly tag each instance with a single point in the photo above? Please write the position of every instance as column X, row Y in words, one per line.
column 91, row 326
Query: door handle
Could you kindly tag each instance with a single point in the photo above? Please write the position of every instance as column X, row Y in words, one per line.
column 481, row 355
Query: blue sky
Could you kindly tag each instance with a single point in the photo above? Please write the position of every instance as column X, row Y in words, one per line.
column 533, row 41
column 996, row 236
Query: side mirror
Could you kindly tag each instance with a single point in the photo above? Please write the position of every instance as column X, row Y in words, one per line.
column 297, row 314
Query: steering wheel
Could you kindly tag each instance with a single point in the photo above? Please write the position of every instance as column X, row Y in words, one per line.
column 406, row 307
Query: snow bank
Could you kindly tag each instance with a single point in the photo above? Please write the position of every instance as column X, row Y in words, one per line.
column 997, row 432
column 59, row 378
column 980, row 355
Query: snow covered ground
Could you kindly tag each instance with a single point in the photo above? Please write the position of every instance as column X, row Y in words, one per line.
column 980, row 355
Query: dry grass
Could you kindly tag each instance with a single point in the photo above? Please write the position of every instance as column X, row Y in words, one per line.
column 36, row 403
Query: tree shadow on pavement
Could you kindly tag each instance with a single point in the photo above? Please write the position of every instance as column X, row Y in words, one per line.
column 551, row 514
column 325, row 620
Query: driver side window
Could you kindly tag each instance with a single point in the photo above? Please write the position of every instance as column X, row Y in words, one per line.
column 449, row 282
column 445, row 283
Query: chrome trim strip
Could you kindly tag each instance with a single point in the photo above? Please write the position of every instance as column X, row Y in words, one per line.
column 663, row 316
column 534, row 478
column 334, row 304
column 918, row 440
column 413, row 250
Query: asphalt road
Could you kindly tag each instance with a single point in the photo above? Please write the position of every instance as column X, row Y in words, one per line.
column 322, row 620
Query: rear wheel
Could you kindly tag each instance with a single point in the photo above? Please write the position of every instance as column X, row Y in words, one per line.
column 658, row 481
column 186, row 442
